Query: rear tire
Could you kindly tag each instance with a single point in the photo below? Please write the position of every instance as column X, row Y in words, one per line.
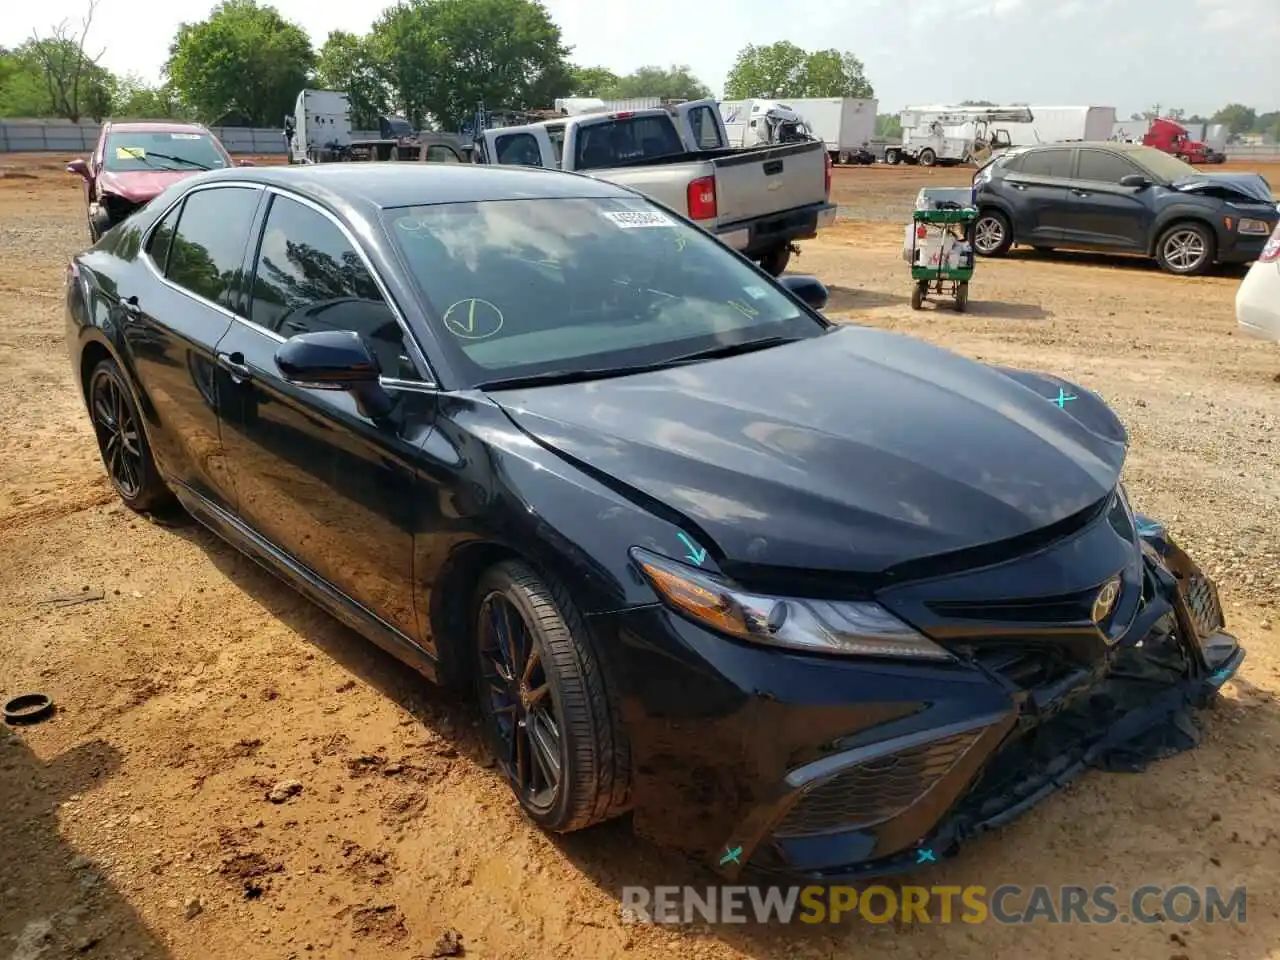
column 122, row 441
column 962, row 298
column 917, row 296
column 992, row 235
column 1186, row 249
column 775, row 261
column 543, row 687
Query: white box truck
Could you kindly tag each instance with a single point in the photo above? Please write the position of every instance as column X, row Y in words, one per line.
column 846, row 124
column 1059, row 124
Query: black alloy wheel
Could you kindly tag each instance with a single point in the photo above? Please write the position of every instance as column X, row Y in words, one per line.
column 550, row 721
column 121, row 440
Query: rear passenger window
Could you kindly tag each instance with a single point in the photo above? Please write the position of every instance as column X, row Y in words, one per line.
column 309, row 277
column 1103, row 167
column 162, row 238
column 706, row 132
column 1047, row 163
column 206, row 253
column 518, row 148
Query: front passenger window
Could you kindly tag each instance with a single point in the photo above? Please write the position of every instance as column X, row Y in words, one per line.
column 308, row 277
column 1103, row 167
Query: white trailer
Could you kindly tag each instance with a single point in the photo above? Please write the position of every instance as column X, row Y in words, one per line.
column 757, row 123
column 847, row 124
column 1062, row 124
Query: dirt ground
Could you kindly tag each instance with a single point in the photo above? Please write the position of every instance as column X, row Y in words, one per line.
column 136, row 822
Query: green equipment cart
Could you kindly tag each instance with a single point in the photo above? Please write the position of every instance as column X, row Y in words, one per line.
column 940, row 253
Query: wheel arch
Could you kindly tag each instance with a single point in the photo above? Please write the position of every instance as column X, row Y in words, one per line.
column 1161, row 227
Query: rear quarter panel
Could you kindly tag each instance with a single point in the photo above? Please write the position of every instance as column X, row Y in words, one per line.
column 668, row 183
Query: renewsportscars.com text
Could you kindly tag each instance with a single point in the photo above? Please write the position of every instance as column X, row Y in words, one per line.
column 1005, row 904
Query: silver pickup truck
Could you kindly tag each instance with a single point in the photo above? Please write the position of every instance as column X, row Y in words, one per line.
column 757, row 201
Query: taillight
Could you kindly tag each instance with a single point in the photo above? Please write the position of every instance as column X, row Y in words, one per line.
column 1272, row 250
column 826, row 170
column 701, row 196
column 624, row 115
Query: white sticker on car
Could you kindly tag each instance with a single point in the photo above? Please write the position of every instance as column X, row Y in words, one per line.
column 184, row 136
column 755, row 293
column 634, row 219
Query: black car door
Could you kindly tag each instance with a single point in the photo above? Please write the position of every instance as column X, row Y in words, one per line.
column 1102, row 213
column 1037, row 186
column 325, row 484
column 174, row 311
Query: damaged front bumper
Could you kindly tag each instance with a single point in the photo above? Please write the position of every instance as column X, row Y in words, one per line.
column 779, row 767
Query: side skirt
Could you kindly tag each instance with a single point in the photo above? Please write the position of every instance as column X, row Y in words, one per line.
column 368, row 624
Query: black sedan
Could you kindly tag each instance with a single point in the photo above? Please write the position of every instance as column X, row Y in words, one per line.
column 1121, row 198
column 807, row 598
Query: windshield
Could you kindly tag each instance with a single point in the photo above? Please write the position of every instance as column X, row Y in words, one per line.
column 150, row 150
column 1162, row 165
column 530, row 287
column 626, row 140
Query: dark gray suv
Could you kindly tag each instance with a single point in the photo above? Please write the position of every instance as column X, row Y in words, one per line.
column 1122, row 198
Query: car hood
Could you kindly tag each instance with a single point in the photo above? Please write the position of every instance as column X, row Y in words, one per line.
column 1253, row 186
column 855, row 451
column 139, row 186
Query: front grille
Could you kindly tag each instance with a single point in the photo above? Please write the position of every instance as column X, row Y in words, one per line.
column 1025, row 666
column 875, row 791
column 1203, row 604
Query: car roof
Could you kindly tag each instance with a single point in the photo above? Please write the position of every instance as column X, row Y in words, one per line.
column 387, row 184
column 1116, row 145
column 156, row 126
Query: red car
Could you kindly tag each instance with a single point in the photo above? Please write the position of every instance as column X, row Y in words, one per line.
column 135, row 162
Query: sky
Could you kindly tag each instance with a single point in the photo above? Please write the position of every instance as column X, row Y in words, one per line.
column 1131, row 54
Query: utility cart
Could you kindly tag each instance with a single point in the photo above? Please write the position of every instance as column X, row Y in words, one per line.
column 937, row 246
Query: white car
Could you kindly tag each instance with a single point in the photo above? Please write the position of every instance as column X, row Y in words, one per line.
column 1258, row 299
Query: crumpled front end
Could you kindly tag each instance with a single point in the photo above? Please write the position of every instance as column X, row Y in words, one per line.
column 1096, row 654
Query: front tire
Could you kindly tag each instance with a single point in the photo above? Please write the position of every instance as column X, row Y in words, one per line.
column 992, row 235
column 548, row 714
column 1185, row 249
column 891, row 157
column 927, row 157
column 122, row 442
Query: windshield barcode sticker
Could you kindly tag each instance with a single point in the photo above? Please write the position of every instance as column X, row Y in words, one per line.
column 632, row 219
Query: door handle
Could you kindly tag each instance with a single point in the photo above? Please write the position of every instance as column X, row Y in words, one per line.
column 1018, row 186
column 130, row 308
column 1080, row 193
column 234, row 364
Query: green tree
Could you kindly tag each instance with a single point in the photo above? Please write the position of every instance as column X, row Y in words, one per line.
column 443, row 57
column 73, row 81
column 348, row 63
column 593, row 82
column 1237, row 118
column 137, row 99
column 888, row 127
column 676, row 82
column 23, row 92
column 830, row 73
column 785, row 70
column 245, row 63
column 776, row 70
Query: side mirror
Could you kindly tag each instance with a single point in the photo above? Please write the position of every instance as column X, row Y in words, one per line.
column 244, row 163
column 1134, row 180
column 808, row 289
column 335, row 360
column 79, row 167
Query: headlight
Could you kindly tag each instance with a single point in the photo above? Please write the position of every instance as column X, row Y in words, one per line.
column 818, row 626
column 1259, row 228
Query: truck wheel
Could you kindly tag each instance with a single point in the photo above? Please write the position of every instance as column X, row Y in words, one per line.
column 775, row 261
column 1185, row 249
column 891, row 157
column 992, row 235
column 927, row 157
